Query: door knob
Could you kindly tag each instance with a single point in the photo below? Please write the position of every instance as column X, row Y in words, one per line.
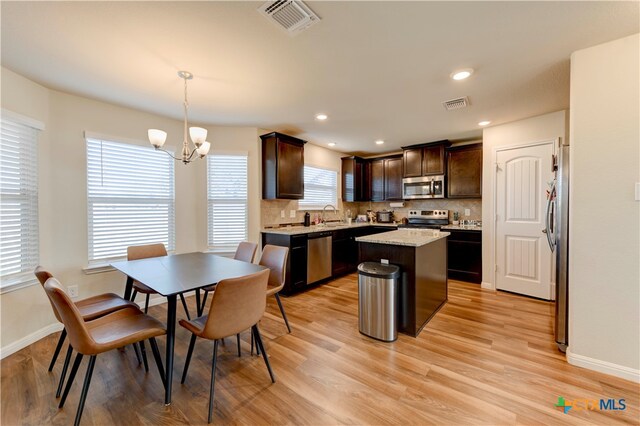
column 544, row 231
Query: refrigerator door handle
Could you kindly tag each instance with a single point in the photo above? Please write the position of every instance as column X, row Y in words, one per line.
column 549, row 218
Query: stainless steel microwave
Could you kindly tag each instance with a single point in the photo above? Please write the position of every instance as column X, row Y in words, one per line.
column 423, row 187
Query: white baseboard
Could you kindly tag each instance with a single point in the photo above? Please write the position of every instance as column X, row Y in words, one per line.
column 487, row 286
column 605, row 367
column 27, row 340
column 22, row 343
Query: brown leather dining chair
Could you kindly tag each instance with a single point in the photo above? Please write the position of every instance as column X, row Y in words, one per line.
column 90, row 309
column 145, row 252
column 124, row 327
column 245, row 252
column 275, row 258
column 236, row 305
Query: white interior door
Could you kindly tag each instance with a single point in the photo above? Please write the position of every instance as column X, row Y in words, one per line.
column 523, row 257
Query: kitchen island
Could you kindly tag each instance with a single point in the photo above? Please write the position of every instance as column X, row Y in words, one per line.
column 421, row 255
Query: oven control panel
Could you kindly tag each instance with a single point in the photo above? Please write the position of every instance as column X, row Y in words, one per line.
column 429, row 214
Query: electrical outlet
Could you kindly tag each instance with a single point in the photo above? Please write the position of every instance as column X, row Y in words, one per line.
column 282, row 214
column 72, row 290
column 292, row 214
column 384, row 261
column 467, row 212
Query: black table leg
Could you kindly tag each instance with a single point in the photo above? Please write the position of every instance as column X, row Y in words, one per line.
column 128, row 288
column 198, row 310
column 171, row 335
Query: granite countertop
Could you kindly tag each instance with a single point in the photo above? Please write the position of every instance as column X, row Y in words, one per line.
column 463, row 227
column 297, row 230
column 405, row 237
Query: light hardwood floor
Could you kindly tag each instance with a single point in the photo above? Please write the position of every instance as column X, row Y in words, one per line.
column 485, row 358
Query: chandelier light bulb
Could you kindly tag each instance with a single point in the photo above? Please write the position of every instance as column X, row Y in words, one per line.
column 203, row 149
column 157, row 137
column 198, row 135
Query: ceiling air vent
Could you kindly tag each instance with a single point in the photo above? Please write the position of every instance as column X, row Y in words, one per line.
column 457, row 103
column 292, row 16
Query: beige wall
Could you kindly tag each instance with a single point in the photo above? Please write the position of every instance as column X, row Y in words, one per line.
column 62, row 192
column 535, row 129
column 604, row 226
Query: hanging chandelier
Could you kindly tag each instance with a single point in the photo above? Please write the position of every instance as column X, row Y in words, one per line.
column 198, row 135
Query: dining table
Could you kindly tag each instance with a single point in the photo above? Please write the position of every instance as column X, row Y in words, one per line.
column 172, row 275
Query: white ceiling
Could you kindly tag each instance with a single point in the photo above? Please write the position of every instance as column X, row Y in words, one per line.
column 380, row 70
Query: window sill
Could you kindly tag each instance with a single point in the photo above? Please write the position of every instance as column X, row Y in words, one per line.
column 98, row 268
column 17, row 283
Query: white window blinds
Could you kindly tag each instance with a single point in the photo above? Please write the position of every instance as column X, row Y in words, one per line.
column 18, row 201
column 227, row 200
column 320, row 188
column 130, row 198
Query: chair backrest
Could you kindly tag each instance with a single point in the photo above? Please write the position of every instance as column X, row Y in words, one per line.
column 43, row 275
column 236, row 305
column 146, row 251
column 246, row 251
column 275, row 258
column 77, row 331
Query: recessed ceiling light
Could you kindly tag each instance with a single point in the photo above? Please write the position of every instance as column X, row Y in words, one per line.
column 379, row 142
column 484, row 123
column 321, row 117
column 331, row 144
column 461, row 74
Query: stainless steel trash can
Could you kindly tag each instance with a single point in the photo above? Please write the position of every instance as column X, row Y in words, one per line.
column 378, row 300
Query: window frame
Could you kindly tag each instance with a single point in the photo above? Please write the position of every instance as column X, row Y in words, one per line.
column 318, row 207
column 225, row 249
column 25, row 278
column 103, row 264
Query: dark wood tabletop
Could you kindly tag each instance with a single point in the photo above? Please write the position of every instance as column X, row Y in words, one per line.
column 170, row 275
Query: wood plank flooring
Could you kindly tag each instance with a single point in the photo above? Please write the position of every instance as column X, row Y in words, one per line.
column 485, row 358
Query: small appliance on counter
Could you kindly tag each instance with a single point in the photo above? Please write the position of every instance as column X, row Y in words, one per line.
column 384, row 217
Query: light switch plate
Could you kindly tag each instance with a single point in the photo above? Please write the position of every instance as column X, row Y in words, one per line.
column 467, row 212
column 637, row 191
column 73, row 291
column 384, row 261
column 282, row 214
column 292, row 213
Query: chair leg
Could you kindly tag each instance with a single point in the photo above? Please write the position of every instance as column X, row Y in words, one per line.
column 63, row 335
column 184, row 305
column 192, row 344
column 67, row 359
column 72, row 376
column 143, row 351
column 282, row 311
column 238, row 341
column 156, row 356
column 202, row 305
column 146, row 303
column 85, row 388
column 253, row 339
column 136, row 349
column 264, row 353
column 133, row 296
column 213, row 379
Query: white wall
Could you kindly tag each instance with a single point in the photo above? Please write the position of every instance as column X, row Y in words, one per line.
column 542, row 127
column 25, row 313
column 604, row 225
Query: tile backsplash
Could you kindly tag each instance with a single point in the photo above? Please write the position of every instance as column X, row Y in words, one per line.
column 271, row 209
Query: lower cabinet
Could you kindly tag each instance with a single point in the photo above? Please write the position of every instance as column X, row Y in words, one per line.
column 344, row 253
column 464, row 255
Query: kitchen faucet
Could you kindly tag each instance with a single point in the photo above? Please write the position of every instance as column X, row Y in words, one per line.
column 324, row 209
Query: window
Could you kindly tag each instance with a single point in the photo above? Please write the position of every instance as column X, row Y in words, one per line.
column 320, row 188
column 227, row 200
column 130, row 198
column 19, row 249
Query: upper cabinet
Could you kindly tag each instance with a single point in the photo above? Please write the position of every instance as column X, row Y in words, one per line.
column 377, row 180
column 424, row 159
column 355, row 179
column 464, row 171
column 393, row 178
column 282, row 167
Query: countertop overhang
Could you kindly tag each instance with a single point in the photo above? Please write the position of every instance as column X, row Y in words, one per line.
column 411, row 237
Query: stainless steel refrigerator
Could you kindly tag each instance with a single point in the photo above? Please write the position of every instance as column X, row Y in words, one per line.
column 557, row 230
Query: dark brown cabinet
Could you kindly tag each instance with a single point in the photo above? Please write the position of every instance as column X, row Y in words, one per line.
column 393, row 178
column 355, row 179
column 377, row 180
column 464, row 171
column 424, row 159
column 282, row 167
column 464, row 258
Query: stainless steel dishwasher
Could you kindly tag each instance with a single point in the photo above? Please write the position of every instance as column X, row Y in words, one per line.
column 318, row 256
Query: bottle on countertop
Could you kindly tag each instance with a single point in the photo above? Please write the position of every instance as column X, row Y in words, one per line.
column 307, row 219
